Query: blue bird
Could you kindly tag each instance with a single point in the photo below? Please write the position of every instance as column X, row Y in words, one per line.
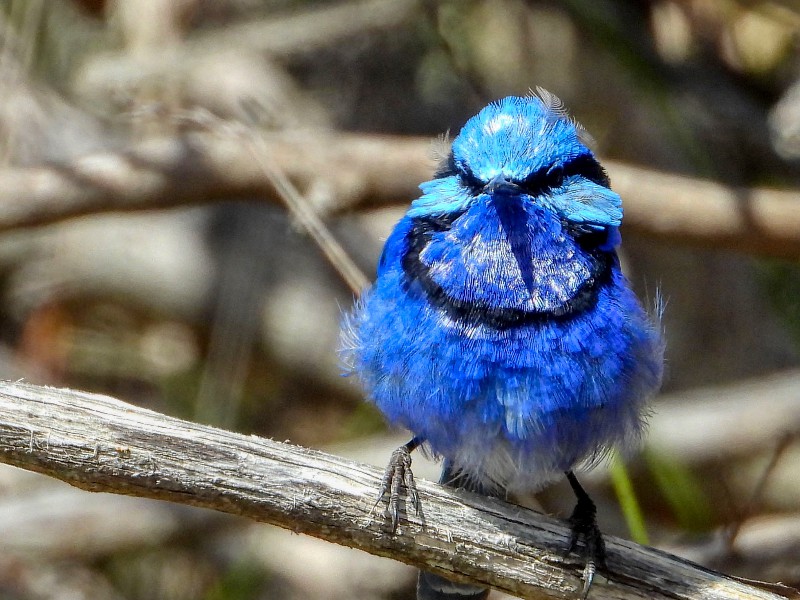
column 500, row 329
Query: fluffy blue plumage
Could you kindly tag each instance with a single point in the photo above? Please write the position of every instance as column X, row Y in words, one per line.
column 500, row 329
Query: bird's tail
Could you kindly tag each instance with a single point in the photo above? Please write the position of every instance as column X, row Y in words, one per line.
column 435, row 587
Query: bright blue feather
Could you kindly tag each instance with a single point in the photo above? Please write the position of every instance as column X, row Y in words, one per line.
column 500, row 328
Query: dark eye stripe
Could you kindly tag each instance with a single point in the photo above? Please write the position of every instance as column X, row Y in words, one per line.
column 541, row 181
column 587, row 166
column 548, row 178
column 469, row 179
column 447, row 168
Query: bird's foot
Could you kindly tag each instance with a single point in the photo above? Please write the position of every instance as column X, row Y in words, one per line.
column 583, row 523
column 398, row 473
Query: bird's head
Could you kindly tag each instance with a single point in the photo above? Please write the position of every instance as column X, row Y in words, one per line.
column 526, row 148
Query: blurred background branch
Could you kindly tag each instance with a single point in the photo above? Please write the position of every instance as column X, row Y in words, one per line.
column 344, row 172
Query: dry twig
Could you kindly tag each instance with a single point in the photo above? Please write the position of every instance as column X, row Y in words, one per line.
column 101, row 444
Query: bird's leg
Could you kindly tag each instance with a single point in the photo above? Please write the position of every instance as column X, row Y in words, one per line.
column 397, row 473
column 583, row 523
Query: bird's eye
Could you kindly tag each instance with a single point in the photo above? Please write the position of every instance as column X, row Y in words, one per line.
column 555, row 176
column 471, row 181
column 537, row 182
column 592, row 238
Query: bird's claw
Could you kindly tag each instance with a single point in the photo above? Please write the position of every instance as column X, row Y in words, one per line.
column 398, row 473
column 583, row 523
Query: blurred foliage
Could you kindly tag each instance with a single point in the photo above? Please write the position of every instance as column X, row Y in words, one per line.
column 781, row 281
column 240, row 582
column 684, row 493
column 629, row 504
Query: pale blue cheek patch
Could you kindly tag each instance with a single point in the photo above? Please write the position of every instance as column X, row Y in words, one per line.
column 440, row 196
column 585, row 202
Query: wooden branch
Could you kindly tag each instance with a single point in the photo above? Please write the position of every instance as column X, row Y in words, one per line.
column 102, row 444
column 216, row 166
column 698, row 211
column 339, row 172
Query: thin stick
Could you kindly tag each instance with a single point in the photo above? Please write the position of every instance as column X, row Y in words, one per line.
column 99, row 443
column 299, row 207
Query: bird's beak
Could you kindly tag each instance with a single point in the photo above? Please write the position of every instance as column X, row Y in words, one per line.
column 500, row 185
